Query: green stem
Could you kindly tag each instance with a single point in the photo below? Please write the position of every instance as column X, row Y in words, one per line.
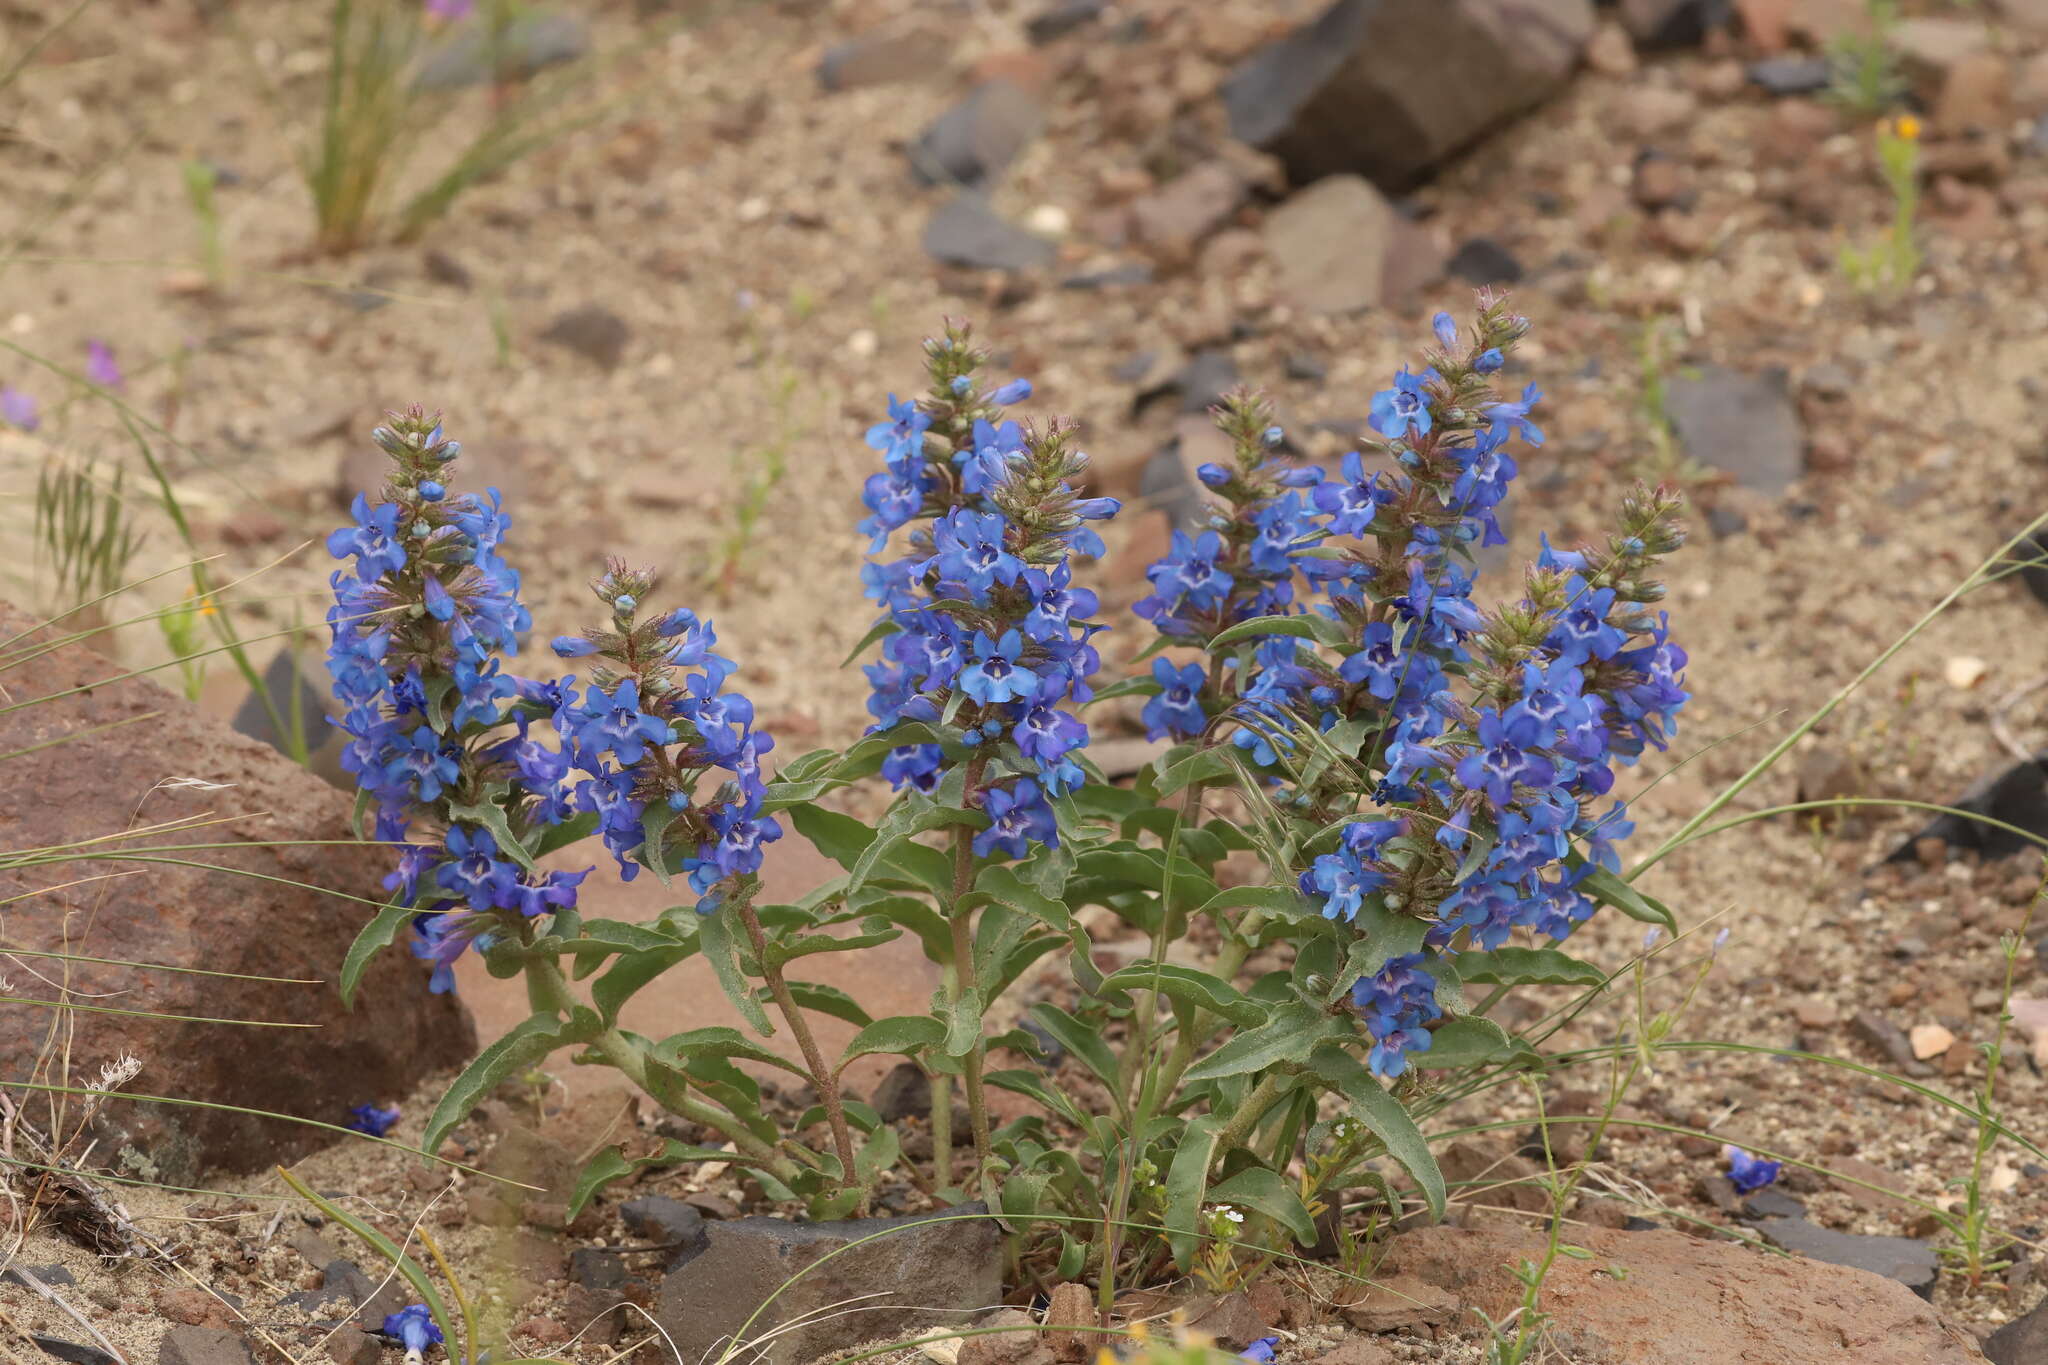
column 1229, row 962
column 942, row 1129
column 549, row 990
column 821, row 1075
column 963, row 979
column 1262, row 1098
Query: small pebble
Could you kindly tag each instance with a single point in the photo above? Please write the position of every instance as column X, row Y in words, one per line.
column 1930, row 1041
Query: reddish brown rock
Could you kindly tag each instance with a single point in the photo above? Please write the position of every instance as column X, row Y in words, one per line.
column 1687, row 1301
column 167, row 761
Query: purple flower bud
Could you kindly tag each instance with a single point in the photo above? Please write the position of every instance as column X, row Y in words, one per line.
column 1212, row 475
column 18, row 409
column 431, row 491
column 625, row 604
column 1446, row 329
column 572, row 647
column 448, row 451
column 1016, row 391
column 1489, row 361
column 675, row 623
column 960, row 385
column 1096, row 509
column 1273, row 436
column 1291, row 476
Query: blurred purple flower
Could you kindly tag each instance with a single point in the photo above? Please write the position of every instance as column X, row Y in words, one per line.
column 99, row 365
column 450, row 10
column 1748, row 1173
column 18, row 409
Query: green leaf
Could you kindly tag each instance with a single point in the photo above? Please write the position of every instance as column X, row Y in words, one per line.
column 715, row 934
column 903, row 1035
column 896, row 831
column 816, row 995
column 1204, row 765
column 1256, row 1187
column 1384, row 1117
column 1467, row 1042
column 1310, row 627
column 780, row 951
column 880, row 630
column 963, row 1024
column 654, row 823
column 610, row 1165
column 1186, row 986
column 678, row 1050
column 1289, row 1035
column 1033, row 1086
column 375, row 936
column 491, row 816
column 1187, row 1183
column 1528, row 967
column 1608, row 889
column 1276, row 900
column 533, row 1038
column 839, row 837
column 1084, row 1044
column 1142, row 685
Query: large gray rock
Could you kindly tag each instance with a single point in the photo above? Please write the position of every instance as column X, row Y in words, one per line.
column 1908, row 1260
column 1742, row 424
column 965, row 231
column 1330, row 245
column 1390, row 88
column 974, row 142
column 97, row 757
column 2023, row 1341
column 928, row 1270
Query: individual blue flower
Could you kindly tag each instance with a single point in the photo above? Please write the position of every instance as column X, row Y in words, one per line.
column 1506, row 755
column 1260, row 1350
column 1397, row 1005
column 474, row 871
column 99, row 365
column 1016, row 391
column 1047, row 734
column 1376, row 666
column 1749, row 1173
column 18, row 409
column 1177, row 710
column 1583, row 632
column 424, row 762
column 1188, row 574
column 373, row 540
column 1018, row 816
column 1349, row 502
column 414, row 1327
column 1403, row 409
column 1513, row 418
column 544, row 894
column 995, row 675
column 368, row 1118
column 970, row 551
column 915, row 765
column 901, row 438
column 572, row 647
column 617, row 723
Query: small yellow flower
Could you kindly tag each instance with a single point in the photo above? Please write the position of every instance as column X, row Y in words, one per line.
column 1105, row 1356
column 1140, row 1333
column 1907, row 127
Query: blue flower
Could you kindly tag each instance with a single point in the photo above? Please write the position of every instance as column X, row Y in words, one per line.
column 1018, row 817
column 18, row 409
column 474, row 872
column 616, row 723
column 425, row 763
column 971, row 552
column 368, row 1118
column 901, row 438
column 1260, row 1350
column 1177, row 710
column 1188, row 575
column 1506, row 755
column 1047, row 734
column 995, row 675
column 1404, row 408
column 414, row 1326
column 1397, row 1005
column 914, row 764
column 1513, row 418
column 1749, row 1173
column 373, row 540
column 1350, row 502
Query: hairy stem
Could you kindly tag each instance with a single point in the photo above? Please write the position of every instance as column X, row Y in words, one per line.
column 821, row 1075
column 1262, row 1098
column 942, row 1129
column 964, row 975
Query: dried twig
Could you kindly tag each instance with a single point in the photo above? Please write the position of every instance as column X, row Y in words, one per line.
column 2005, row 704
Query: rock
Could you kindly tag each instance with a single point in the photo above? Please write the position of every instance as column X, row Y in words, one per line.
column 289, row 684
column 1891, row 1191
column 592, row 331
column 1649, row 112
column 1174, row 218
column 965, row 231
column 1719, row 1191
column 1672, row 23
column 1070, row 1322
column 1356, row 1351
column 906, row 1092
column 974, row 142
column 203, row 1346
column 1816, row 1014
column 73, row 1352
column 1976, row 96
column 1743, row 424
column 1610, row 52
column 666, row 1222
column 1908, row 1260
column 877, row 59
column 927, row 1271
column 1330, row 244
column 1789, row 75
column 1936, row 44
column 530, row 43
column 1482, row 261
column 1227, row 1318
column 2017, row 795
column 1306, row 367
column 1012, row 1337
column 1772, row 1202
column 1687, row 1300
column 351, row 1345
column 1659, row 182
column 1882, row 1034
column 442, row 268
column 596, row 1268
column 1116, row 276
column 95, row 784
column 2023, row 1341
column 1829, row 775
column 1930, row 1041
column 47, row 1274
column 1372, row 86
column 1056, row 21
column 1398, row 1303
column 346, row 1288
column 1492, row 1176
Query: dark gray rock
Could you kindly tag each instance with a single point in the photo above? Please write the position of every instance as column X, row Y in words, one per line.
column 530, row 43
column 1672, row 23
column 443, row 268
column 48, row 1274
column 2023, row 1341
column 1908, row 1260
column 878, row 59
column 1390, row 88
column 1165, row 483
column 965, row 231
column 1204, row 380
column 2017, row 795
column 1129, row 273
column 1888, row 1038
column 347, row 1290
column 1635, row 1224
column 1133, row 368
column 201, row 1346
column 906, row 1092
column 2032, row 553
column 1772, row 1203
column 926, row 1271
column 592, row 331
column 1058, row 20
column 296, row 700
column 1726, row 521
column 974, row 142
column 1484, row 261
column 668, row 1223
column 598, row 1267
column 1306, row 367
column 1745, row 425
column 74, row 1352
column 1790, row 75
